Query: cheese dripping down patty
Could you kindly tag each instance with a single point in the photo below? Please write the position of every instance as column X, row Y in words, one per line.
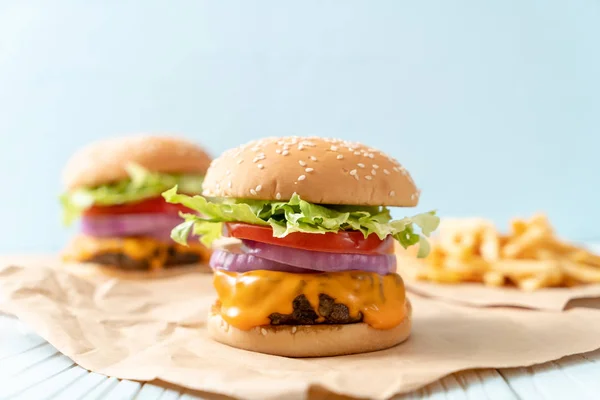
column 248, row 299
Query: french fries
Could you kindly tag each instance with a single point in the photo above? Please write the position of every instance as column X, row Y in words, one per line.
column 530, row 257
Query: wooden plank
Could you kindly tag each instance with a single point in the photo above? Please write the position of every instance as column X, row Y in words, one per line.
column 34, row 375
column 187, row 396
column 19, row 362
column 584, row 373
column 552, row 382
column 170, row 394
column 124, row 390
column 13, row 345
column 99, row 391
column 519, row 380
column 150, row 392
column 453, row 388
column 494, row 385
column 51, row 386
column 80, row 387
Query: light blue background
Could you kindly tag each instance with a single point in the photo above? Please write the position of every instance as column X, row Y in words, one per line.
column 493, row 106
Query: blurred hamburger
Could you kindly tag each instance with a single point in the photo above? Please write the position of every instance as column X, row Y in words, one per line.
column 114, row 187
column 315, row 272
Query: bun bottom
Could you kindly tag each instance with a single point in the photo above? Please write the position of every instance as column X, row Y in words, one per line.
column 309, row 340
column 94, row 269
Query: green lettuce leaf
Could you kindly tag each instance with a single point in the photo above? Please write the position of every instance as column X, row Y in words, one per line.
column 142, row 184
column 297, row 215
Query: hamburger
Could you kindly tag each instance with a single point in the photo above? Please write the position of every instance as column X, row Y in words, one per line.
column 114, row 187
column 314, row 271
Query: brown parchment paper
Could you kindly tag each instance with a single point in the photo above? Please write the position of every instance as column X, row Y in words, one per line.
column 476, row 294
column 150, row 330
column 479, row 295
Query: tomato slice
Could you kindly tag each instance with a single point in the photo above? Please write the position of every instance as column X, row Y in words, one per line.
column 341, row 242
column 155, row 205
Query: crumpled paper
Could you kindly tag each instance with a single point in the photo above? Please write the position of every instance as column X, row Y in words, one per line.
column 479, row 295
column 155, row 329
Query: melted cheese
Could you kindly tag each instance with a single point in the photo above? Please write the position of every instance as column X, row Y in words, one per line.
column 247, row 299
column 84, row 248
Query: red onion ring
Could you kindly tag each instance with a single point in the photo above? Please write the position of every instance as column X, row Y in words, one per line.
column 155, row 225
column 236, row 262
column 321, row 261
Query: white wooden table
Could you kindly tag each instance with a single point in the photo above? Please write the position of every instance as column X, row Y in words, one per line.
column 30, row 368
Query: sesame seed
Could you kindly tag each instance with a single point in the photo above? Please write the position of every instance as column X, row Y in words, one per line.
column 294, row 329
column 240, row 161
column 278, row 151
column 280, row 142
column 357, row 153
column 263, row 331
column 368, row 177
column 371, row 156
column 340, row 156
column 309, row 169
column 260, row 166
column 412, row 196
column 361, row 165
column 285, row 153
column 333, row 148
column 229, row 185
column 258, row 188
column 373, row 172
column 404, row 172
column 396, row 169
column 392, row 193
column 302, row 177
column 375, row 166
column 300, row 147
column 278, row 196
column 313, row 158
column 385, row 171
column 302, row 163
column 253, row 192
column 353, row 172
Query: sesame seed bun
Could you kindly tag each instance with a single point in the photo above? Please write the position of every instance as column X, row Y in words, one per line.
column 105, row 161
column 308, row 340
column 323, row 171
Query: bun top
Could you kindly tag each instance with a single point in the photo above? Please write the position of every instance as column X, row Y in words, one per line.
column 322, row 171
column 105, row 161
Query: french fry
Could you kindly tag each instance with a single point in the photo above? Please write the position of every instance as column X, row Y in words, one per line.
column 444, row 276
column 581, row 272
column 584, row 256
column 530, row 256
column 490, row 245
column 533, row 283
column 523, row 268
column 530, row 238
column 493, row 278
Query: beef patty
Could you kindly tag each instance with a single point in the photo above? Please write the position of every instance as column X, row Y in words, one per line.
column 123, row 261
column 304, row 314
